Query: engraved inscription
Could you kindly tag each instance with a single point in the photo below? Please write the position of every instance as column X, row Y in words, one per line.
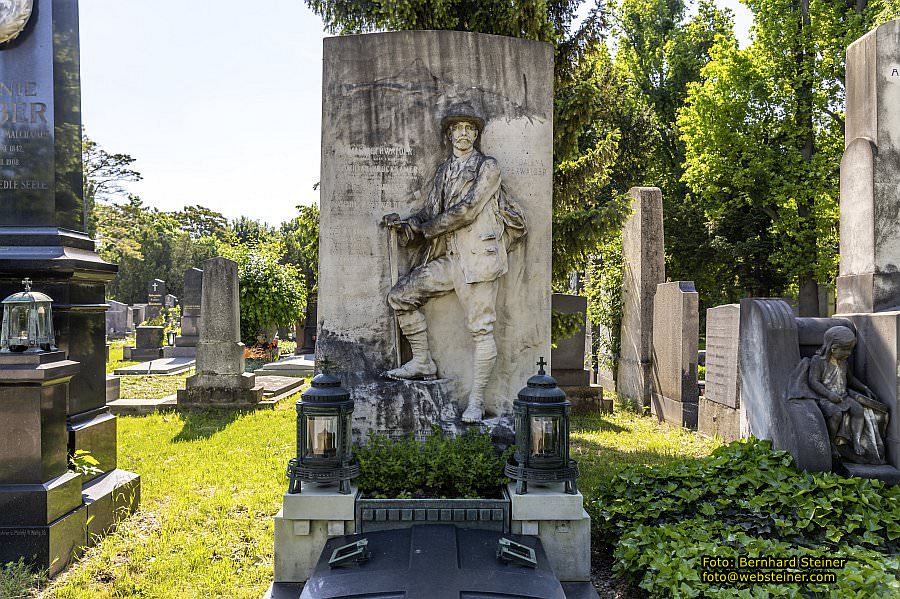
column 722, row 344
column 895, row 72
column 24, row 121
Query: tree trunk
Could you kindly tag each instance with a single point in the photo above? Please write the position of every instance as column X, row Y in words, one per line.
column 809, row 288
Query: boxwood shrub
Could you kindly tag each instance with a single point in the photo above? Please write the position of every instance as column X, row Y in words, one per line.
column 747, row 500
column 442, row 466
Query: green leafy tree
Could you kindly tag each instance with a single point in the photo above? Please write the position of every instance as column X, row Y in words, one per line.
column 105, row 177
column 763, row 133
column 273, row 294
column 198, row 222
column 301, row 239
column 660, row 53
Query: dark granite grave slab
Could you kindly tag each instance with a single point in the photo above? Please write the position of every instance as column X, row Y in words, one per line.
column 40, row 504
column 95, row 432
column 52, row 547
column 109, row 499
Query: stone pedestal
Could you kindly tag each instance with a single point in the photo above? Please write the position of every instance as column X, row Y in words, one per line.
column 643, row 248
column 720, row 406
column 220, row 381
column 676, row 336
column 562, row 524
column 384, row 98
column 869, row 278
column 148, row 344
column 41, row 514
column 307, row 520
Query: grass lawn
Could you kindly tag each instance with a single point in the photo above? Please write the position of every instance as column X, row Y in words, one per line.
column 211, row 485
column 152, row 386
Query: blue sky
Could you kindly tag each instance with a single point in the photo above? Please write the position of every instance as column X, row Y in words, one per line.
column 219, row 102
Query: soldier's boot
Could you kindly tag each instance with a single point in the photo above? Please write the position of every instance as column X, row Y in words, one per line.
column 482, row 367
column 421, row 367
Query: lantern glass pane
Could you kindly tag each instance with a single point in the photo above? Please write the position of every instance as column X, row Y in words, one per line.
column 321, row 436
column 42, row 322
column 544, row 436
column 19, row 326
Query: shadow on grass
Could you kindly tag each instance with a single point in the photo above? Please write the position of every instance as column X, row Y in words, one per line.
column 594, row 422
column 203, row 424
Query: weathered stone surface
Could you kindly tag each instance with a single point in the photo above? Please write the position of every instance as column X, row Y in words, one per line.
column 398, row 408
column 643, row 247
column 190, row 308
column 723, row 380
column 384, row 97
column 676, row 337
column 116, row 319
column 296, row 366
column 220, row 380
column 720, row 407
column 567, row 543
column 571, row 356
column 876, row 363
column 769, row 352
column 113, row 388
column 150, row 337
column 870, row 175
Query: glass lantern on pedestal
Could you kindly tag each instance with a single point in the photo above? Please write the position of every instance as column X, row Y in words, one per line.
column 27, row 322
column 542, row 436
column 323, row 436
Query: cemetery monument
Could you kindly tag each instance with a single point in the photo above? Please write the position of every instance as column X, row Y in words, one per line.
column 43, row 237
column 436, row 304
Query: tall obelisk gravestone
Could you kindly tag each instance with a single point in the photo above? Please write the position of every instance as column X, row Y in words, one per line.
column 43, row 232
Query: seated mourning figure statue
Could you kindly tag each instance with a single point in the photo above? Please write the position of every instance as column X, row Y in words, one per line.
column 857, row 421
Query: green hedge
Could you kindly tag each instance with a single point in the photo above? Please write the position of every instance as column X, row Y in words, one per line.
column 439, row 467
column 747, row 500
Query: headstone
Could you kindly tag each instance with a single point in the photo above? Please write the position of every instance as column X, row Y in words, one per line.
column 156, row 291
column 116, row 319
column 676, row 336
column 385, row 99
column 571, row 356
column 190, row 309
column 643, row 248
column 139, row 314
column 220, row 380
column 720, row 406
column 43, row 231
column 170, row 301
column 869, row 278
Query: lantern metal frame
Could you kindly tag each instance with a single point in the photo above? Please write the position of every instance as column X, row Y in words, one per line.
column 542, row 398
column 324, row 399
column 38, row 311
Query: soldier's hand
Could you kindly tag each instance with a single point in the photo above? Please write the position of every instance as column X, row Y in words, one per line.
column 391, row 220
column 415, row 224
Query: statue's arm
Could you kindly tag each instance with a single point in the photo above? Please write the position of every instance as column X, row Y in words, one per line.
column 857, row 385
column 464, row 212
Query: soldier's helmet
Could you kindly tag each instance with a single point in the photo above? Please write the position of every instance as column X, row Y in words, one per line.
column 462, row 112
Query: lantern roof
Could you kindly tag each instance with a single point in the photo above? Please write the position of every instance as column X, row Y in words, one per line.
column 27, row 297
column 542, row 388
column 325, row 388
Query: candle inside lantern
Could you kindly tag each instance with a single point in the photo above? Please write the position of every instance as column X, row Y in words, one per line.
column 321, row 437
column 544, row 436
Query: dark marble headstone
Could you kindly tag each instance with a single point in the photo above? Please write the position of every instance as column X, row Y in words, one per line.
column 169, row 301
column 43, row 221
column 156, row 291
column 568, row 357
column 190, row 308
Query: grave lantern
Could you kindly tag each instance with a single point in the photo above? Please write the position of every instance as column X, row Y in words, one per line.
column 27, row 322
column 170, row 338
column 323, row 436
column 542, row 436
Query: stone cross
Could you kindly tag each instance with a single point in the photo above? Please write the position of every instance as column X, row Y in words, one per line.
column 27, row 282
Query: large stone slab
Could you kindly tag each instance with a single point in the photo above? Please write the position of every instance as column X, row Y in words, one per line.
column 190, row 308
column 116, row 319
column 384, row 96
column 295, row 366
column 720, row 406
column 676, row 337
column 643, row 247
column 159, row 366
column 870, row 175
column 220, row 380
column 571, row 356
